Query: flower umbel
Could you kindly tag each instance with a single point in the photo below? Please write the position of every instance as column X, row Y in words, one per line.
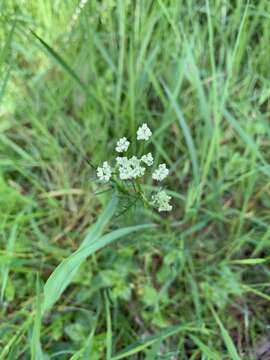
column 161, row 173
column 122, row 145
column 161, row 201
column 147, row 159
column 144, row 133
column 130, row 168
column 122, row 161
column 104, row 172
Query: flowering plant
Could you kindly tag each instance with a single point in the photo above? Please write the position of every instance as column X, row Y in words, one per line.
column 127, row 173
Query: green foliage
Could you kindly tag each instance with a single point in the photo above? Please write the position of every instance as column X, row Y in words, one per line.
column 81, row 279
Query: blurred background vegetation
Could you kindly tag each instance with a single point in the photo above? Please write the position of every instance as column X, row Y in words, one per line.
column 74, row 77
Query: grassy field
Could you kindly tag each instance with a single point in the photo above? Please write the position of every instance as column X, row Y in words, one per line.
column 75, row 77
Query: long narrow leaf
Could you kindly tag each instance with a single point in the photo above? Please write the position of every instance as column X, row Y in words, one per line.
column 36, row 351
column 186, row 132
column 61, row 62
column 210, row 353
column 139, row 346
column 227, row 339
column 65, row 272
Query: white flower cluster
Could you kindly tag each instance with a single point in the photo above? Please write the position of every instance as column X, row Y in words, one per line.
column 130, row 168
column 104, row 172
column 161, row 200
column 122, row 145
column 133, row 168
column 161, row 173
column 144, row 133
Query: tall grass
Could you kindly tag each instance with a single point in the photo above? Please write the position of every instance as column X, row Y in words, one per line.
column 195, row 286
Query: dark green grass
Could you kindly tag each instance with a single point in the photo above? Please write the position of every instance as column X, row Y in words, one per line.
column 195, row 286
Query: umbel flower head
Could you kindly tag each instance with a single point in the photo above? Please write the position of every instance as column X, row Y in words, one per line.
column 144, row 133
column 122, row 145
column 147, row 159
column 130, row 168
column 161, row 173
column 104, row 172
column 130, row 171
column 161, row 201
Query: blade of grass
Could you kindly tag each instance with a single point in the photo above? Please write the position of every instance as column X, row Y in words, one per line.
column 139, row 346
column 244, row 135
column 16, row 338
column 36, row 351
column 5, row 268
column 61, row 62
column 256, row 292
column 226, row 338
column 3, row 59
column 233, row 58
column 210, row 353
column 85, row 352
column 109, row 329
column 121, row 12
column 248, row 261
column 4, row 52
column 64, row 273
column 187, row 134
column 97, row 229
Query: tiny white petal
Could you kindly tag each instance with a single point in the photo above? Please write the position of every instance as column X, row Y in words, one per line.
column 143, row 132
column 147, row 159
column 104, row 172
column 160, row 173
column 122, row 145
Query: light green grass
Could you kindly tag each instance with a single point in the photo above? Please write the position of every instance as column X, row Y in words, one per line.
column 195, row 285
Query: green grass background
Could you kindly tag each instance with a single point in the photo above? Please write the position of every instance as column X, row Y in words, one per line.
column 197, row 71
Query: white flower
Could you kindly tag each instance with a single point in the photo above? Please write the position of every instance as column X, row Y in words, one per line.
column 122, row 145
column 130, row 168
column 161, row 201
column 147, row 159
column 104, row 172
column 122, row 161
column 160, row 173
column 144, row 133
column 135, row 164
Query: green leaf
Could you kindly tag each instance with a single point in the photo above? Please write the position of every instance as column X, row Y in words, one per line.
column 10, row 248
column 64, row 273
column 226, row 337
column 248, row 288
column 186, row 132
column 248, row 261
column 246, row 137
column 36, row 351
column 109, row 329
column 210, row 353
column 4, row 57
column 61, row 62
column 143, row 344
column 66, row 270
